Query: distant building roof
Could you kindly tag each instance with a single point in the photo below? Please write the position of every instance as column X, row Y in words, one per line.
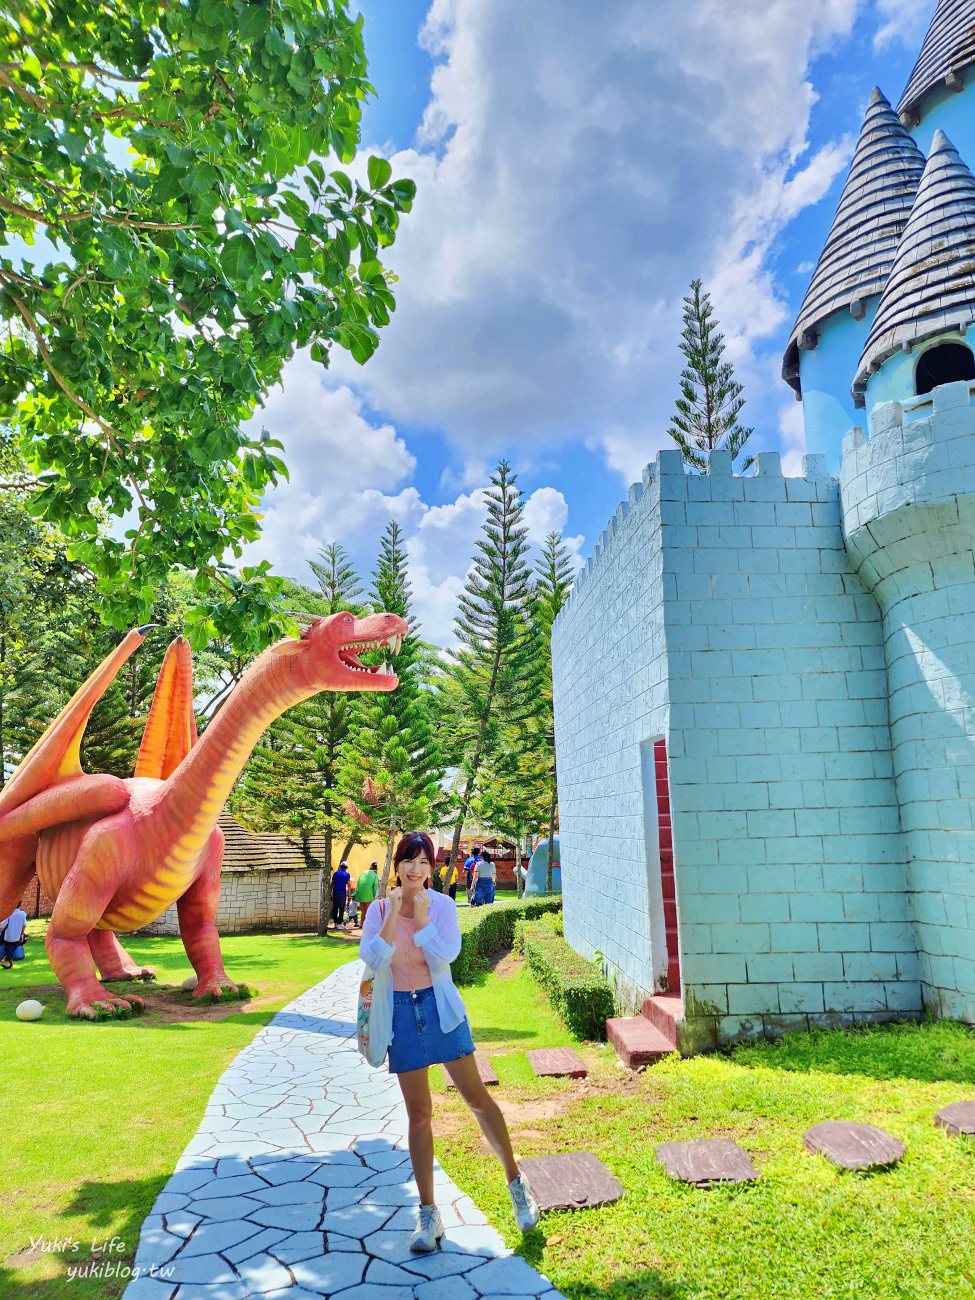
column 870, row 218
column 268, row 850
column 931, row 288
column 948, row 48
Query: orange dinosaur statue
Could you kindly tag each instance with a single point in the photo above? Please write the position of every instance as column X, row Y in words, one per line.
column 114, row 854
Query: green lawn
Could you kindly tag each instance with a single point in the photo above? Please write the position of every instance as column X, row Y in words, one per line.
column 805, row 1229
column 95, row 1115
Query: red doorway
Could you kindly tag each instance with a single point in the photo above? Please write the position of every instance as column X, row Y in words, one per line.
column 668, row 886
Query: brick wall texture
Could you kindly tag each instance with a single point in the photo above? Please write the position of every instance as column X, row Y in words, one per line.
column 727, row 616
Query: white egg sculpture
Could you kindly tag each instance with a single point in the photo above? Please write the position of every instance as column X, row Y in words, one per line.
column 30, row 1010
column 189, row 984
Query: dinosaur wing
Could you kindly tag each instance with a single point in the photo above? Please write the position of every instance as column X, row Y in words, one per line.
column 57, row 755
column 170, row 731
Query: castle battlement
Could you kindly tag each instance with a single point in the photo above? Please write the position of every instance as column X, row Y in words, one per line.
column 666, row 479
column 918, row 451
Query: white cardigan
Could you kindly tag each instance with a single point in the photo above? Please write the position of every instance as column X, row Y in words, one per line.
column 440, row 941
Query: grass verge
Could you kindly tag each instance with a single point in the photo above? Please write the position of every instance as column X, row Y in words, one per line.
column 490, row 930
column 95, row 1115
column 578, row 990
column 805, row 1229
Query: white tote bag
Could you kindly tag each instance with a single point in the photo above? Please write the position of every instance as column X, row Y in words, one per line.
column 374, row 1017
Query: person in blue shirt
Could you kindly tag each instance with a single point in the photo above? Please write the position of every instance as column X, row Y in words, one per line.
column 340, row 890
column 469, row 865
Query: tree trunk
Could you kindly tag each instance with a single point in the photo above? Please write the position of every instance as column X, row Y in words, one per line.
column 476, row 761
column 390, row 837
column 3, row 738
column 551, row 838
column 324, row 885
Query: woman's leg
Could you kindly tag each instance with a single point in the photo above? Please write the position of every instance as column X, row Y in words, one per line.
column 486, row 1110
column 415, row 1087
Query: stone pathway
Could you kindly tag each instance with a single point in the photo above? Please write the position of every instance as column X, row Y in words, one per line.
column 298, row 1183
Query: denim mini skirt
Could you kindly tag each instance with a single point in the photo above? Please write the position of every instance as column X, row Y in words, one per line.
column 418, row 1039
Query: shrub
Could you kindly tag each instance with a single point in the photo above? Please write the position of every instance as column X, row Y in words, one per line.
column 575, row 986
column 490, row 929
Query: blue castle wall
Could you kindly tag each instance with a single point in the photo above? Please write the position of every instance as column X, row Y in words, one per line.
column 806, row 649
column 723, row 614
column 909, row 516
column 952, row 113
column 828, row 411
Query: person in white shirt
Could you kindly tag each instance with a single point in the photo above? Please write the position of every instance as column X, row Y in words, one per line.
column 410, row 939
column 12, row 931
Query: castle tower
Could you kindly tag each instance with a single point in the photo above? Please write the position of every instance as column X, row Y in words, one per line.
column 837, row 311
column 933, row 98
column 908, row 496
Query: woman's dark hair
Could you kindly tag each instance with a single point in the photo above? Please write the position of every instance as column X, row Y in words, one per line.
column 486, row 856
column 412, row 845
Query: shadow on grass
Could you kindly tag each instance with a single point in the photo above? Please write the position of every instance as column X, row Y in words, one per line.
column 495, row 1034
column 648, row 1284
column 105, row 1220
column 933, row 1052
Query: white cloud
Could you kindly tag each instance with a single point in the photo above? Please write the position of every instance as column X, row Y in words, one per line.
column 902, row 21
column 345, row 472
column 793, row 436
column 546, row 511
column 575, row 170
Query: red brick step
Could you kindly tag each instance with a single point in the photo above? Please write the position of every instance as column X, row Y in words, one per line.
column 637, row 1041
column 663, row 1012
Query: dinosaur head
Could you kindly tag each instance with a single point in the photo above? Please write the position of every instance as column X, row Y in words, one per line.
column 326, row 655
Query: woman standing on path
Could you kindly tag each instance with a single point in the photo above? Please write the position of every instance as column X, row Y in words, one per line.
column 413, row 937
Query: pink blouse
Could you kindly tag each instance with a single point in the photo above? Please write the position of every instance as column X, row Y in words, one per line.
column 409, row 966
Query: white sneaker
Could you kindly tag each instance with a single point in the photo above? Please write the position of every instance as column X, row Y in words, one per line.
column 429, row 1229
column 526, row 1207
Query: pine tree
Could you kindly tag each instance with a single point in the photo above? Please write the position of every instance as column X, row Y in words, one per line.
column 487, row 688
column 291, row 780
column 518, row 791
column 394, row 756
column 706, row 415
column 552, row 587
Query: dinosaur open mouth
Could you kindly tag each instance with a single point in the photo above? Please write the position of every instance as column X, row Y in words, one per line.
column 349, row 654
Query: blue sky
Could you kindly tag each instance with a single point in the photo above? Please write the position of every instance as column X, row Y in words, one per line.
column 576, row 167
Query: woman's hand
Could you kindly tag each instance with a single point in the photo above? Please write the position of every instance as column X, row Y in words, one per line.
column 395, row 898
column 421, row 908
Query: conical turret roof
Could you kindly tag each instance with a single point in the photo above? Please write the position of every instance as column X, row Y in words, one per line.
column 931, row 288
column 870, row 218
column 948, row 48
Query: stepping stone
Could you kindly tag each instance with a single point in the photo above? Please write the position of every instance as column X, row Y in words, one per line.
column 570, row 1182
column 853, row 1146
column 484, row 1068
column 957, row 1119
column 556, row 1062
column 703, row 1161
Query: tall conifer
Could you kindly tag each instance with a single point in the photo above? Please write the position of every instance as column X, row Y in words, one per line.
column 291, row 780
column 488, row 686
column 394, row 756
column 710, row 401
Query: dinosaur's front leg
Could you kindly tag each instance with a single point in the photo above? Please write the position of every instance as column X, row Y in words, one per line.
column 94, row 878
column 113, row 962
column 197, row 923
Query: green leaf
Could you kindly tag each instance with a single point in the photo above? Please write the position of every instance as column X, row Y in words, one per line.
column 379, row 172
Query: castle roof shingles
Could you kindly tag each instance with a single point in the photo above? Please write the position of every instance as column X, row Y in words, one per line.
column 931, row 287
column 948, row 48
column 870, row 218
